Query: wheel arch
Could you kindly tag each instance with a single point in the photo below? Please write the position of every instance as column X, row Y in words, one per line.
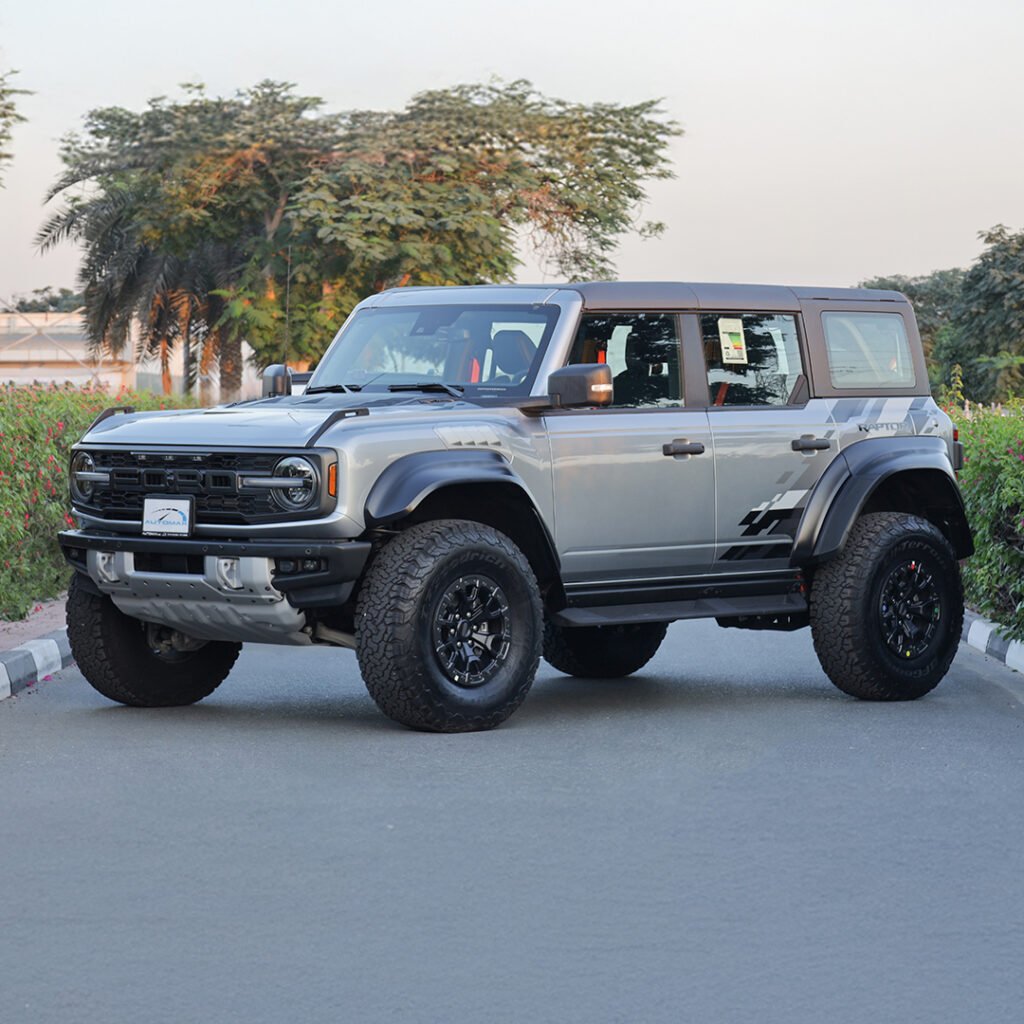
column 912, row 475
column 479, row 486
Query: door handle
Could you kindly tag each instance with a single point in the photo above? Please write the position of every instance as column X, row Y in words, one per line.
column 810, row 443
column 682, row 447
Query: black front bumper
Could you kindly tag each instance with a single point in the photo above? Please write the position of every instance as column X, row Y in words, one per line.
column 342, row 561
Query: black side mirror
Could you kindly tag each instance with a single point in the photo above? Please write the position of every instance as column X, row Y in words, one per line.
column 581, row 384
column 277, row 380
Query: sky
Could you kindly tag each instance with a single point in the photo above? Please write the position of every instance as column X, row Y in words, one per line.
column 824, row 142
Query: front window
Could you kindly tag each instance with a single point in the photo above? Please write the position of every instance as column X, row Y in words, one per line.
column 474, row 349
column 642, row 350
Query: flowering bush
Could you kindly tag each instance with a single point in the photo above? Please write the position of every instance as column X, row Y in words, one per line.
column 38, row 426
column 992, row 482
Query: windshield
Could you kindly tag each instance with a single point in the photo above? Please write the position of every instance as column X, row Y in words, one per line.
column 473, row 349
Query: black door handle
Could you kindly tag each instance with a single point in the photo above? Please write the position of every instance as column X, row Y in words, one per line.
column 809, row 443
column 682, row 447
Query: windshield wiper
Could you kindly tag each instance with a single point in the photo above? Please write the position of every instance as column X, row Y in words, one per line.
column 325, row 388
column 455, row 390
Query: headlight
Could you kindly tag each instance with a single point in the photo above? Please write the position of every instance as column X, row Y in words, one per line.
column 83, row 469
column 307, row 489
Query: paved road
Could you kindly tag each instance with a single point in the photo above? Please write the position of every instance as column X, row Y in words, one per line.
column 724, row 838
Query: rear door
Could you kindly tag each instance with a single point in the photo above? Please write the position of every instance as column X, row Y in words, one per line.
column 772, row 442
column 634, row 484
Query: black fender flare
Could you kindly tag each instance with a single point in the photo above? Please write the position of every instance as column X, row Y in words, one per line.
column 407, row 481
column 856, row 473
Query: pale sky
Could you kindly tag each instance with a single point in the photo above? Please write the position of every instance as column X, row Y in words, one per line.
column 825, row 142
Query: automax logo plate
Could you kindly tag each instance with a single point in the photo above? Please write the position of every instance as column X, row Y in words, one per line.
column 164, row 516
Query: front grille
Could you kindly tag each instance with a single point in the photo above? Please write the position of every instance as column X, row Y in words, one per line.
column 211, row 477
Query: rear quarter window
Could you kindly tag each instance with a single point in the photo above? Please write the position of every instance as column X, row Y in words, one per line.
column 868, row 350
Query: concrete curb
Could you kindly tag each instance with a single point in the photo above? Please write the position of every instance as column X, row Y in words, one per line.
column 33, row 660
column 986, row 636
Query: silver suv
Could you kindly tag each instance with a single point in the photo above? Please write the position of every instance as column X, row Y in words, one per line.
column 476, row 477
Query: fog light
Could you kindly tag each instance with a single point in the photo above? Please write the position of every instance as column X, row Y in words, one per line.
column 311, row 565
column 285, row 565
column 229, row 573
column 105, row 567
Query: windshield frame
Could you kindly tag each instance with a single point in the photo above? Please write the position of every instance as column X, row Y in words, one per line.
column 554, row 310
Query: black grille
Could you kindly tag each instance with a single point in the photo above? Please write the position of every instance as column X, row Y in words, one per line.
column 211, row 477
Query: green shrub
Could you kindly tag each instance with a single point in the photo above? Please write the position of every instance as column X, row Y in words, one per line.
column 992, row 482
column 38, row 426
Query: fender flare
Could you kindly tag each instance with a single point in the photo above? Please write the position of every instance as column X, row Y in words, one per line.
column 407, row 481
column 855, row 474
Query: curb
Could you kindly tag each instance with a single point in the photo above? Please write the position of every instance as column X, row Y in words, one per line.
column 26, row 664
column 985, row 636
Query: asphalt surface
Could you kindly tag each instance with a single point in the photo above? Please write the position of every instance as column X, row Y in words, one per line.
column 721, row 838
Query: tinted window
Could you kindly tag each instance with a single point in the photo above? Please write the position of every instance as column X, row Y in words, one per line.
column 752, row 358
column 642, row 350
column 868, row 350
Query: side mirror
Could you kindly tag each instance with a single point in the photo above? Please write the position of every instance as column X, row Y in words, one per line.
column 581, row 384
column 277, row 380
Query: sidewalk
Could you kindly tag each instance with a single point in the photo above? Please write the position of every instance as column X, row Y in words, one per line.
column 33, row 648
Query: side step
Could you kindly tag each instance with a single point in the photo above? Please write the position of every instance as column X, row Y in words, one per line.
column 698, row 608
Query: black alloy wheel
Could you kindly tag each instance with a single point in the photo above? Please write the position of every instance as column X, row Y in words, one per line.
column 472, row 630
column 910, row 609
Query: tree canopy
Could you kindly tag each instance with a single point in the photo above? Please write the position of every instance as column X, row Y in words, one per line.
column 9, row 116
column 262, row 216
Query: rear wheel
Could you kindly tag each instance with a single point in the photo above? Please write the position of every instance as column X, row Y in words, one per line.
column 602, row 652
column 886, row 615
column 138, row 663
column 448, row 628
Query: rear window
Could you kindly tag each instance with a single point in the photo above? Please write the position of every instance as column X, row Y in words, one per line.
column 868, row 350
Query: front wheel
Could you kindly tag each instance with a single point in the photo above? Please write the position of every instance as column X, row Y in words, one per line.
column 448, row 627
column 887, row 613
column 602, row 652
column 137, row 663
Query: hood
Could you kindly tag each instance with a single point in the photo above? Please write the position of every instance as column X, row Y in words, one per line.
column 287, row 422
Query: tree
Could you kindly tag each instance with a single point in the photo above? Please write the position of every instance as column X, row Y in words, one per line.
column 46, row 300
column 934, row 297
column 990, row 316
column 288, row 216
column 9, row 116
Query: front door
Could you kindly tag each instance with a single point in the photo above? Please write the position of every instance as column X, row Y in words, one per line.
column 634, row 483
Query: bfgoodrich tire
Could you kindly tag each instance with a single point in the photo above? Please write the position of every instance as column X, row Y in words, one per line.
column 116, row 655
column 602, row 652
column 887, row 614
column 448, row 627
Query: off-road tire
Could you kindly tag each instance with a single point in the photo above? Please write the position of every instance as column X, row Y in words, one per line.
column 113, row 654
column 846, row 617
column 395, row 620
column 602, row 652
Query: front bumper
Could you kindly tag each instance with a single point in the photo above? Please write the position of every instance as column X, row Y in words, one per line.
column 187, row 568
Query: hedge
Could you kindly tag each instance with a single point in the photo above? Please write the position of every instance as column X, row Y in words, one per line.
column 992, row 482
column 38, row 426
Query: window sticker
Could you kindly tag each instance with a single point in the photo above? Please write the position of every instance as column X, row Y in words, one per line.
column 734, row 347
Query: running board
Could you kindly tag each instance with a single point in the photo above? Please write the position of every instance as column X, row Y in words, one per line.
column 669, row 611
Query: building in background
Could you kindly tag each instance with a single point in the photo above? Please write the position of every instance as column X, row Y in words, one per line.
column 51, row 348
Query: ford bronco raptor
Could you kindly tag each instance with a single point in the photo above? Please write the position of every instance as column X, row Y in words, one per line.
column 476, row 477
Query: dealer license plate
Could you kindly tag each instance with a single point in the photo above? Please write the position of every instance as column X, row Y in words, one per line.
column 167, row 517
